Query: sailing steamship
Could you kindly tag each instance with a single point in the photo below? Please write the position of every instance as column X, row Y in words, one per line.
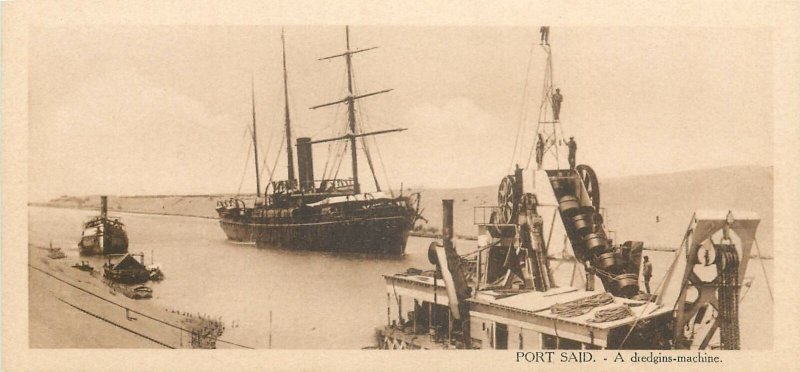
column 329, row 214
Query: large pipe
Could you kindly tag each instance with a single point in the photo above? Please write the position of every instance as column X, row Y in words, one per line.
column 447, row 220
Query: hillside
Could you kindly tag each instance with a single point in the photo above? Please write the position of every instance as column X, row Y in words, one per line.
column 632, row 203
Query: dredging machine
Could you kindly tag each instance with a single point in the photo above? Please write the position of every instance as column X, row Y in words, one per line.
column 504, row 294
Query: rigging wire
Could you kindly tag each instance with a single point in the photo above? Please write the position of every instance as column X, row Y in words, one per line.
column 523, row 114
column 383, row 166
column 363, row 125
column 380, row 161
column 246, row 159
column 335, row 146
column 338, row 166
column 270, row 143
column 246, row 163
column 271, row 136
column 275, row 164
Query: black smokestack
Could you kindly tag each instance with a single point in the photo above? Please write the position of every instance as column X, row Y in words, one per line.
column 305, row 164
column 103, row 206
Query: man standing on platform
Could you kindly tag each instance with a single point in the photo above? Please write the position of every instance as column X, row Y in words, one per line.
column 557, row 98
column 573, row 148
column 647, row 273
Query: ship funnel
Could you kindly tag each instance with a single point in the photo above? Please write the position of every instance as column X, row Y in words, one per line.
column 305, row 164
column 103, row 206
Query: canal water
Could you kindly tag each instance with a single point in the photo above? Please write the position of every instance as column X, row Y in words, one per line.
column 318, row 300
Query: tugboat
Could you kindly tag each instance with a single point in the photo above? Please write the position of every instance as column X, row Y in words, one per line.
column 504, row 295
column 330, row 214
column 102, row 235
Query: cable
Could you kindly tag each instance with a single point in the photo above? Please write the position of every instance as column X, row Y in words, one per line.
column 275, row 164
column 244, row 171
column 116, row 324
column 763, row 268
column 612, row 314
column 581, row 306
column 523, row 115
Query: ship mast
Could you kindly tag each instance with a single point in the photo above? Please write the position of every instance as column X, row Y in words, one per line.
column 255, row 138
column 289, row 154
column 548, row 125
column 351, row 109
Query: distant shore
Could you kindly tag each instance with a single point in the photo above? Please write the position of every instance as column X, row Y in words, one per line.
column 430, row 232
column 50, row 205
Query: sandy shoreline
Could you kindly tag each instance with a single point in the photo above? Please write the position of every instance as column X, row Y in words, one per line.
column 69, row 308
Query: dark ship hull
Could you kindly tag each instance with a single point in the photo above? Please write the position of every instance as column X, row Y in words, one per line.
column 110, row 239
column 239, row 231
column 361, row 228
column 102, row 235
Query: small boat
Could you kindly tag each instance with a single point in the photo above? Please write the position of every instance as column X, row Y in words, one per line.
column 138, row 292
column 83, row 266
column 56, row 253
column 155, row 273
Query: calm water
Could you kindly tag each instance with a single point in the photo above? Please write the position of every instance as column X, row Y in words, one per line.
column 318, row 300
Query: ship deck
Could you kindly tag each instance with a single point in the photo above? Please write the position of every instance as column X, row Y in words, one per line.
column 528, row 311
column 536, row 305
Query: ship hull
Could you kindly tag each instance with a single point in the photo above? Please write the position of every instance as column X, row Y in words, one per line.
column 96, row 243
column 238, row 231
column 385, row 235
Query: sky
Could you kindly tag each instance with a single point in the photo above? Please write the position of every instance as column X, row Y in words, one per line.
column 135, row 110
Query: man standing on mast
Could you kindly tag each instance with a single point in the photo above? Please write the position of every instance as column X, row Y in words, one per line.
column 539, row 151
column 557, row 98
column 545, row 31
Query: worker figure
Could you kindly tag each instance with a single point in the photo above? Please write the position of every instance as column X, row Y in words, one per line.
column 557, row 98
column 539, row 151
column 573, row 148
column 545, row 31
column 647, row 273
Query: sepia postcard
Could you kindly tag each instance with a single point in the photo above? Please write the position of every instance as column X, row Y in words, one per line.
column 339, row 186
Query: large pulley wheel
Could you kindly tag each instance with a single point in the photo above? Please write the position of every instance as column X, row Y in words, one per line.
column 505, row 200
column 589, row 179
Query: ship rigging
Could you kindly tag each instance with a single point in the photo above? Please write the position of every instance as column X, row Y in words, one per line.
column 329, row 213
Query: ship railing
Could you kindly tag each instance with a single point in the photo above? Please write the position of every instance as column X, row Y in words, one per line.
column 322, row 185
column 327, row 185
